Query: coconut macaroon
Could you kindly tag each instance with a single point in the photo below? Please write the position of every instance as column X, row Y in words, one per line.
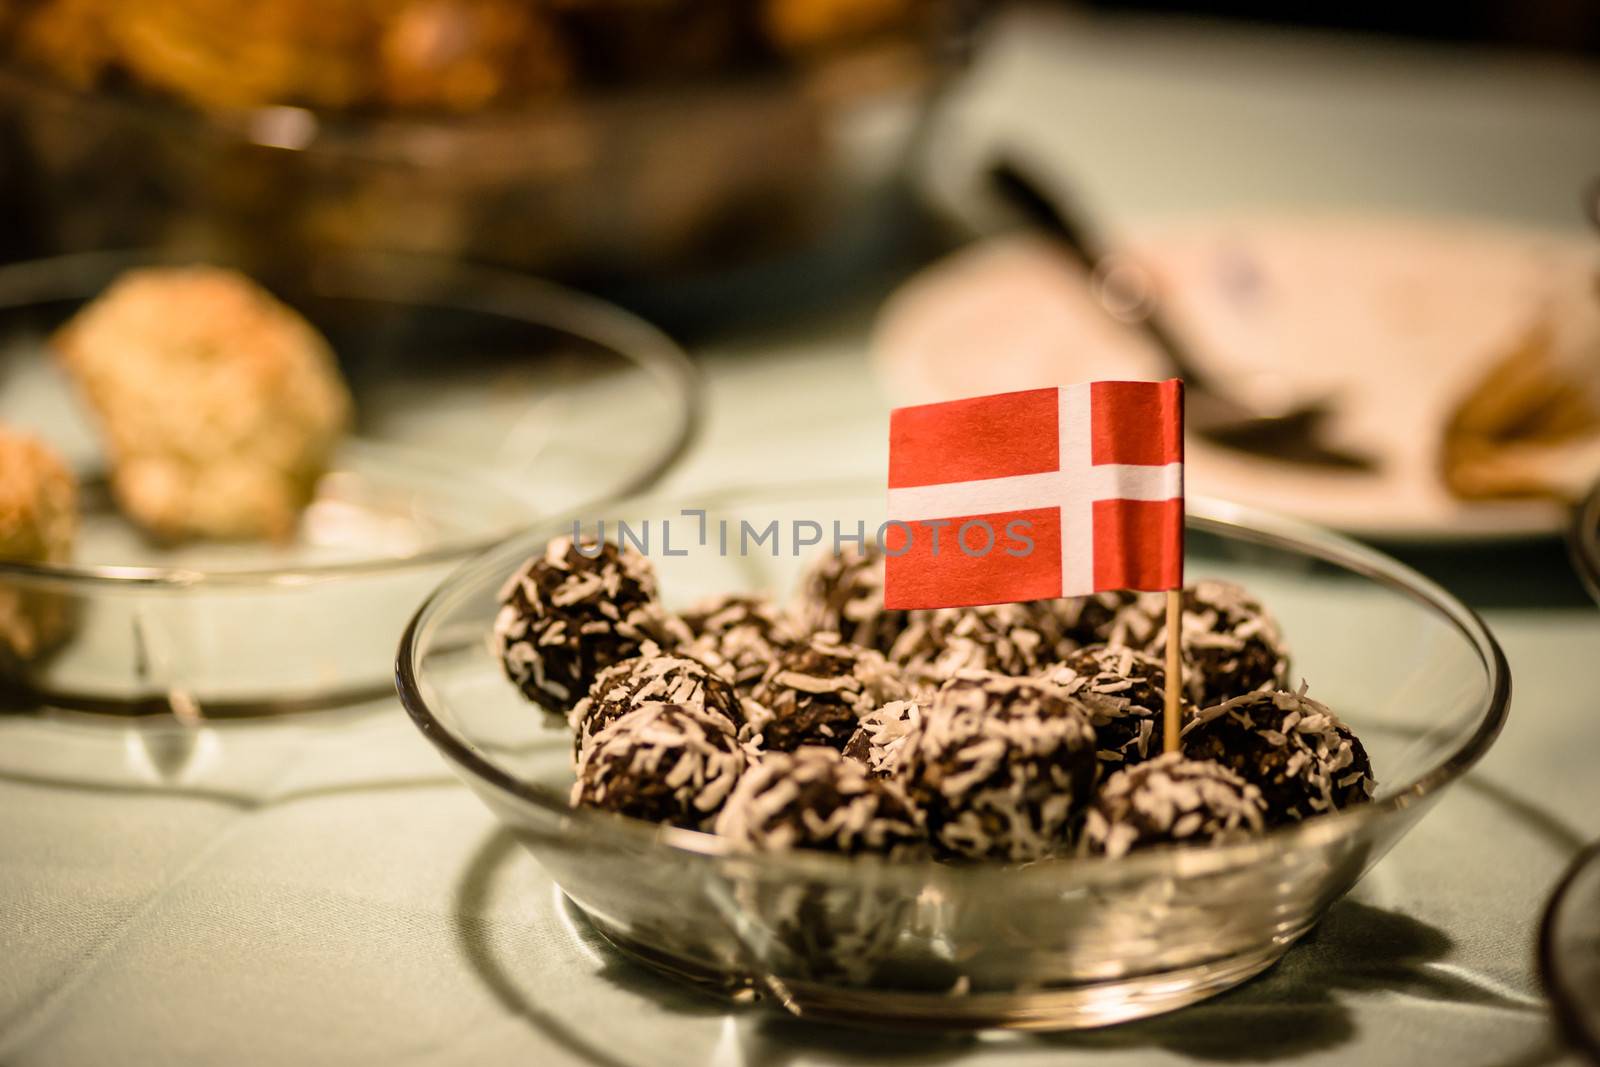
column 219, row 405
column 1171, row 800
column 815, row 798
column 38, row 522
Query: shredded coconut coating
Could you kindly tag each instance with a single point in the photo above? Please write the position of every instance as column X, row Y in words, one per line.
column 1171, row 799
column 38, row 522
column 665, row 763
column 843, row 594
column 744, row 634
column 1231, row 644
column 1012, row 639
column 816, row 693
column 882, row 736
column 1294, row 749
column 654, row 678
column 566, row 616
column 815, row 798
column 1001, row 768
column 220, row 407
column 1124, row 691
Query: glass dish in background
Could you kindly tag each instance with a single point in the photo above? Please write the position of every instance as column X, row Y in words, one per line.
column 665, row 152
column 1569, row 951
column 1058, row 945
column 1583, row 541
column 482, row 400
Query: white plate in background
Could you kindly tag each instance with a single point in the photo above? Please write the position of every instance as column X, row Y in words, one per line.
column 1396, row 318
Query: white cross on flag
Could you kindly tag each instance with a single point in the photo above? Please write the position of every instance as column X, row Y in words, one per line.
column 1034, row 495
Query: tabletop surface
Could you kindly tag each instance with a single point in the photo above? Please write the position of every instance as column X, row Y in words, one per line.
column 320, row 889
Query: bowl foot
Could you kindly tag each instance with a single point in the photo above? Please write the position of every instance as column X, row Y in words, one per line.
column 1077, row 1007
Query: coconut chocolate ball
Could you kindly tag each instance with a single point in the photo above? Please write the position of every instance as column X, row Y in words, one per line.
column 1231, row 644
column 1124, row 691
column 1104, row 618
column 1001, row 768
column 1014, row 639
column 1297, row 752
column 654, row 678
column 569, row 614
column 816, row 798
column 747, row 633
column 883, row 735
column 1171, row 799
column 816, row 693
column 665, row 763
column 843, row 594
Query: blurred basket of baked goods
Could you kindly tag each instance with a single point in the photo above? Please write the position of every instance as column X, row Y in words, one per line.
column 597, row 140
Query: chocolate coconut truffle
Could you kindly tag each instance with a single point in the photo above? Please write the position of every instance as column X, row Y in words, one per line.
column 1231, row 644
column 843, row 594
column 816, row 798
column 883, row 735
column 654, row 678
column 665, row 763
column 747, row 633
column 1171, row 799
column 567, row 615
column 816, row 693
column 1104, row 618
column 1001, row 768
column 1297, row 752
column 1014, row 639
column 1125, row 693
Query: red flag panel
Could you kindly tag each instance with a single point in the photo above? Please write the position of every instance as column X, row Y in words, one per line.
column 969, row 440
column 1136, row 422
column 1138, row 544
column 919, row 579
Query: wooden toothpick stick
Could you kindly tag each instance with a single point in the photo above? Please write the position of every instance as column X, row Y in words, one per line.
column 1174, row 670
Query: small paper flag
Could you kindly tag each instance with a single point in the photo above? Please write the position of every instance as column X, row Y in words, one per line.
column 1037, row 494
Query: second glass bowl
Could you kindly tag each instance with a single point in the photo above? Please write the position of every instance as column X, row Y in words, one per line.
column 1061, row 944
column 483, row 401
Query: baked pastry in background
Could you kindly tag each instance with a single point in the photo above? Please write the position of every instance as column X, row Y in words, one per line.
column 219, row 406
column 38, row 522
column 1531, row 425
column 420, row 55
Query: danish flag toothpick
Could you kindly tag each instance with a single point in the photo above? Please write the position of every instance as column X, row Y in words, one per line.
column 1040, row 494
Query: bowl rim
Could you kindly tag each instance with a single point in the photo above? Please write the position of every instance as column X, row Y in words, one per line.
column 1583, row 535
column 1203, row 513
column 488, row 291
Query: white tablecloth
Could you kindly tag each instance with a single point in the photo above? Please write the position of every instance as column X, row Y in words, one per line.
column 320, row 889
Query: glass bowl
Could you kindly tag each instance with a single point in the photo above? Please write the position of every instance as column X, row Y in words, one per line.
column 1569, row 951
column 1062, row 944
column 483, row 400
column 1583, row 541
